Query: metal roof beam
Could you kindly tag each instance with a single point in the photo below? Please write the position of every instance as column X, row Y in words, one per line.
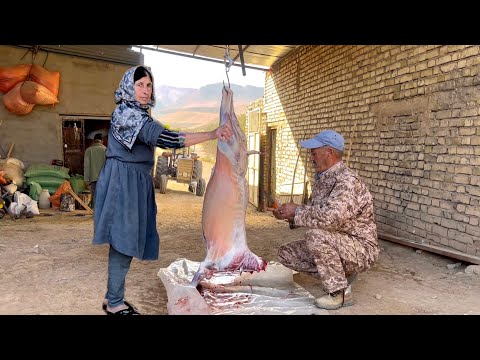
column 196, row 57
column 244, row 49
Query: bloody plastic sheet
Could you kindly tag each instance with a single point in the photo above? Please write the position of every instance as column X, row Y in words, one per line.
column 269, row 292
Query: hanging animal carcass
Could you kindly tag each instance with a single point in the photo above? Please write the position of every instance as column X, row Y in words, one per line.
column 225, row 203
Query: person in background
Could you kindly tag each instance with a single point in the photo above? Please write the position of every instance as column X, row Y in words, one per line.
column 125, row 210
column 342, row 237
column 93, row 162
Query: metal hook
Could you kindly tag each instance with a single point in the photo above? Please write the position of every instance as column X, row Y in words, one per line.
column 34, row 49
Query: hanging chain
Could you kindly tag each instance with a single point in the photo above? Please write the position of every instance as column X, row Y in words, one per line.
column 228, row 62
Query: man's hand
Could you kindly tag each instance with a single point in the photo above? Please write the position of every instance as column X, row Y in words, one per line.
column 286, row 212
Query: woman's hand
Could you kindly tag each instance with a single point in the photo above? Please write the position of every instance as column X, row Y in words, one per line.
column 223, row 132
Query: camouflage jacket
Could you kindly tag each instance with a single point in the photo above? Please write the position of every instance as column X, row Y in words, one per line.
column 340, row 202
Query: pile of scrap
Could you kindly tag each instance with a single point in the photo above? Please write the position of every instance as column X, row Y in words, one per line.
column 21, row 193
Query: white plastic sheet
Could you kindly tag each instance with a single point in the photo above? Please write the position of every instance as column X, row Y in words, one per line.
column 269, row 292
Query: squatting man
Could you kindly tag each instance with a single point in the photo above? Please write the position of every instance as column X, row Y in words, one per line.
column 342, row 237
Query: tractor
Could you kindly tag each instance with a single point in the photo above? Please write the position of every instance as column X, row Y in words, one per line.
column 182, row 167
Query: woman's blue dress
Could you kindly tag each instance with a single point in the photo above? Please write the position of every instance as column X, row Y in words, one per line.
column 125, row 208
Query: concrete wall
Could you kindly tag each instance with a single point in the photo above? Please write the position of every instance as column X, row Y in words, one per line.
column 412, row 116
column 86, row 88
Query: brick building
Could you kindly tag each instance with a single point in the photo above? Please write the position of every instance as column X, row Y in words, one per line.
column 410, row 118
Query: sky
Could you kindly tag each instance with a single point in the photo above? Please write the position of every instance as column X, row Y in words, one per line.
column 184, row 72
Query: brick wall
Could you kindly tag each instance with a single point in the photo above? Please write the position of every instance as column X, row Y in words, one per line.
column 411, row 115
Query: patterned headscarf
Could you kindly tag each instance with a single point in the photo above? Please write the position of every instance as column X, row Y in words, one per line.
column 129, row 116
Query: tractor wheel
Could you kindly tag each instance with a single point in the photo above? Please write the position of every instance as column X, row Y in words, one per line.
column 162, row 166
column 197, row 170
column 162, row 169
column 163, row 184
column 201, row 186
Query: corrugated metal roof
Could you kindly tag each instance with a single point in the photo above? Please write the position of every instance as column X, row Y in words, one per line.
column 255, row 56
column 118, row 54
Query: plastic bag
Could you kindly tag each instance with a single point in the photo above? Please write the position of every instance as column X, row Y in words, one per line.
column 67, row 202
column 22, row 201
column 269, row 292
column 62, row 189
column 77, row 183
column 35, row 190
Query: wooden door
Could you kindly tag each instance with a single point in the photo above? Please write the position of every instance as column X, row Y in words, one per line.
column 272, row 175
column 73, row 145
column 253, row 143
column 253, row 169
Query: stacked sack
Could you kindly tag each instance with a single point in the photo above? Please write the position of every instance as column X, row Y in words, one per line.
column 12, row 170
column 49, row 177
column 25, row 86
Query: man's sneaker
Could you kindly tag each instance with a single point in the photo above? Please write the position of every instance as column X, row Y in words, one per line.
column 336, row 299
column 348, row 296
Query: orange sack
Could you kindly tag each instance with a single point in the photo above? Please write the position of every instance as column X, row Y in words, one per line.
column 49, row 79
column 12, row 75
column 14, row 103
column 34, row 93
column 62, row 189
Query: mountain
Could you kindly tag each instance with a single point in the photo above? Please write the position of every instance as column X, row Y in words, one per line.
column 190, row 108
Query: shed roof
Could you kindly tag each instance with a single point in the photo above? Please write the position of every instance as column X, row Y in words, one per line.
column 260, row 57
column 117, row 54
column 254, row 56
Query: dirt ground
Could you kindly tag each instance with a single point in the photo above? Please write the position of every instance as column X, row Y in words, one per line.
column 49, row 266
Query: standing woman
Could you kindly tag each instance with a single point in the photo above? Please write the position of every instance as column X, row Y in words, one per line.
column 125, row 209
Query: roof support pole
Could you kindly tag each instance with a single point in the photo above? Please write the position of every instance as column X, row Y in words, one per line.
column 240, row 52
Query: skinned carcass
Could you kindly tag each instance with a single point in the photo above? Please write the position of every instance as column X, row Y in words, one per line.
column 225, row 203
